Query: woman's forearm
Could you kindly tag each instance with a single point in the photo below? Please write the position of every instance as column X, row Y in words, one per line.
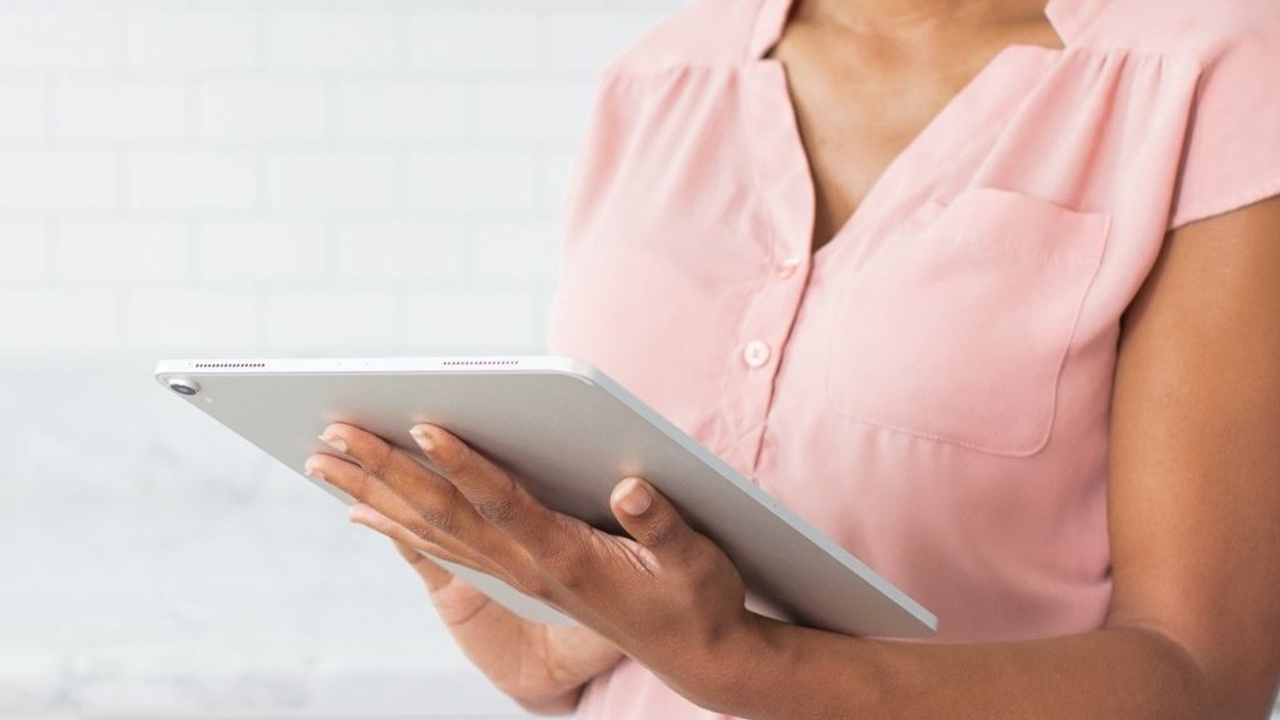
column 787, row 672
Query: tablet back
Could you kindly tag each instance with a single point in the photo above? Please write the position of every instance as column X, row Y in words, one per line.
column 569, row 434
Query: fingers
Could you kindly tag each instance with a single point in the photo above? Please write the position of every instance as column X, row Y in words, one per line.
column 456, row 601
column 441, row 517
column 433, row 576
column 410, row 545
column 651, row 519
column 495, row 496
column 408, row 477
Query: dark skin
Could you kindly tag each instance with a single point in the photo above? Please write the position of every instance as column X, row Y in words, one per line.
column 1194, row 485
column 866, row 82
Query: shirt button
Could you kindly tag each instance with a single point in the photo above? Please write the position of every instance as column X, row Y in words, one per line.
column 789, row 267
column 756, row 353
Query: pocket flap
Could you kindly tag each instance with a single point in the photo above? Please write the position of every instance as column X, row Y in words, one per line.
column 1016, row 224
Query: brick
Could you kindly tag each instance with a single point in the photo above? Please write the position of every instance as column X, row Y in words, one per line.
column 525, row 252
column 26, row 251
column 585, row 42
column 333, row 41
column 473, row 182
column 464, row 42
column 262, row 111
column 67, row 39
column 470, row 322
column 122, row 251
column 150, row 111
column 185, row 321
column 193, row 180
column 542, row 112
column 24, row 116
column 383, row 251
column 58, row 321
column 388, row 110
column 332, row 181
column 185, row 41
column 260, row 251
column 59, row 181
column 331, row 322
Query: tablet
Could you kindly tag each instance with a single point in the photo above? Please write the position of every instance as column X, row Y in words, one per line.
column 570, row 434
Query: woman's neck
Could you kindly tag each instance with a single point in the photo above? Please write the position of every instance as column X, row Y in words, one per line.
column 898, row 17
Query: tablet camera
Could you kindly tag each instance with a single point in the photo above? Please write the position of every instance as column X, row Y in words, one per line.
column 184, row 387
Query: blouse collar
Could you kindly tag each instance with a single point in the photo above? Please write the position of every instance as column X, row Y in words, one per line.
column 771, row 19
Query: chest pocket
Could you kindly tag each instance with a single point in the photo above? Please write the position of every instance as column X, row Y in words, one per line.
column 959, row 332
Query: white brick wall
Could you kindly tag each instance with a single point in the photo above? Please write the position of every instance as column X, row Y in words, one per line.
column 156, row 151
column 38, row 38
column 373, row 111
column 263, row 111
column 164, row 182
column 179, row 42
column 250, row 177
column 144, row 111
column 58, row 181
column 26, row 112
column 479, row 42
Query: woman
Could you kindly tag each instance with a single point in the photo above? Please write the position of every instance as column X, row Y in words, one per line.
column 984, row 290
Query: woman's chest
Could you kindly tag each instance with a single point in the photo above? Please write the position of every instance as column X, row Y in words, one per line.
column 861, row 101
column 973, row 301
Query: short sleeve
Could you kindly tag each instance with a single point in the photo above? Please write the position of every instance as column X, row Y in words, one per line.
column 604, row 142
column 1232, row 153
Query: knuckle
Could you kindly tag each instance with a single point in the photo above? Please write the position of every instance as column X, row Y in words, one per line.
column 358, row 484
column 498, row 511
column 421, row 529
column 700, row 560
column 564, row 566
column 662, row 532
column 439, row 519
column 452, row 457
column 379, row 459
column 532, row 584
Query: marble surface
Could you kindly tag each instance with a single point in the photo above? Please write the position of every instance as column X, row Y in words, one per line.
column 152, row 565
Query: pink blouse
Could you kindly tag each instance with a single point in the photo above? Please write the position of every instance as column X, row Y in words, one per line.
column 931, row 388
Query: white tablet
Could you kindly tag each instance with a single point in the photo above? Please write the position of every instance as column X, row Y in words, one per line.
column 570, row 434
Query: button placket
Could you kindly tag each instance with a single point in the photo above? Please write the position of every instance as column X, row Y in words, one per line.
column 762, row 339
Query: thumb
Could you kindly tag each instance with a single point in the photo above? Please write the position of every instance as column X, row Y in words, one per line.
column 649, row 517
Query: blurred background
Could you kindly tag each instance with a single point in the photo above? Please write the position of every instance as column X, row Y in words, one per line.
column 248, row 178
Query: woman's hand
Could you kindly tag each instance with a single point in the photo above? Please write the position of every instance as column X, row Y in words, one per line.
column 543, row 667
column 666, row 595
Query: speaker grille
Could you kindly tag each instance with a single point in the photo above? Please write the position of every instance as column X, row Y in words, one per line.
column 480, row 363
column 203, row 366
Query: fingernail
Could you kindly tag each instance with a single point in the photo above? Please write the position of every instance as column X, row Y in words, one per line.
column 634, row 498
column 423, row 438
column 314, row 474
column 334, row 442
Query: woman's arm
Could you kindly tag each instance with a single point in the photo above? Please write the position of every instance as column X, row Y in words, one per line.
column 1194, row 521
column 1194, row 503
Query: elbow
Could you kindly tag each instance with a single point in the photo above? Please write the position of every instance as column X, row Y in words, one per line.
column 1192, row 690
